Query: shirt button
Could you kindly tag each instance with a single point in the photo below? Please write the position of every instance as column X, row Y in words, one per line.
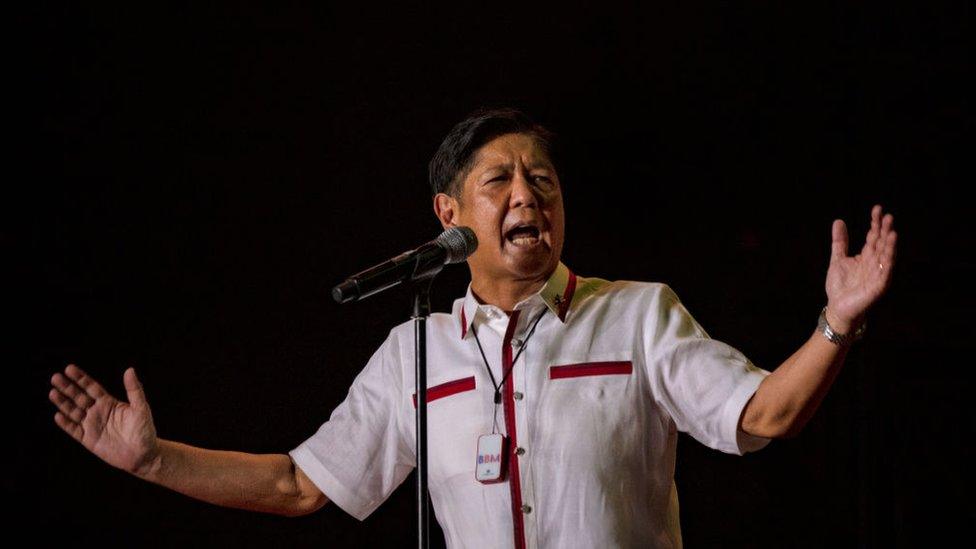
column 520, row 451
column 517, row 395
column 526, row 509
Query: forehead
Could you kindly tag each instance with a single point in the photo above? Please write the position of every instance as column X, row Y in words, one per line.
column 506, row 150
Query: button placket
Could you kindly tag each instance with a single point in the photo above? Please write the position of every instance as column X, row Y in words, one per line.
column 518, row 385
column 520, row 378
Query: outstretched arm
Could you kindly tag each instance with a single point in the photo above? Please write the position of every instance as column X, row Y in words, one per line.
column 790, row 395
column 124, row 436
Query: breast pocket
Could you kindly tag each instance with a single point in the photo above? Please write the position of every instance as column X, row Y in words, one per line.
column 589, row 399
column 456, row 417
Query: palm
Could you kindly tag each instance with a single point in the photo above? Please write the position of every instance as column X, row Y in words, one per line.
column 855, row 283
column 120, row 433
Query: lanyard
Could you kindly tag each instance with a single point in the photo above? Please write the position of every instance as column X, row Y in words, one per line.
column 498, row 385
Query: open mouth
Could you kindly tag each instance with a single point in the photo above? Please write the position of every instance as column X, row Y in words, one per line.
column 523, row 235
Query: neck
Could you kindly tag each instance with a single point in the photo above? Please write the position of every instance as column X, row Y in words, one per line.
column 505, row 293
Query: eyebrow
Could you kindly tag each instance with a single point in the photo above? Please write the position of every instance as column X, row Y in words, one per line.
column 540, row 164
column 533, row 165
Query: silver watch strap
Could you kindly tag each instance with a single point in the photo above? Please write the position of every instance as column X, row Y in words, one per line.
column 837, row 338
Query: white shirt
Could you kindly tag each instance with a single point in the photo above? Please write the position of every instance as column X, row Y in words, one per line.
column 591, row 410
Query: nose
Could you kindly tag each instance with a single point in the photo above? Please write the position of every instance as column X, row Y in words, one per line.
column 523, row 192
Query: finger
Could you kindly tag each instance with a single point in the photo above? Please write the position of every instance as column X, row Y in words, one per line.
column 133, row 388
column 888, row 253
column 888, row 222
column 872, row 237
column 886, row 259
column 838, row 245
column 66, row 406
column 71, row 390
column 886, row 227
column 86, row 382
column 70, row 427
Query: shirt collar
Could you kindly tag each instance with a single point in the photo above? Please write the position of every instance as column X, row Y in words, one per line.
column 556, row 294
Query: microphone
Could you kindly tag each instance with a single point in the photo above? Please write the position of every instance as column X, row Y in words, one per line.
column 452, row 246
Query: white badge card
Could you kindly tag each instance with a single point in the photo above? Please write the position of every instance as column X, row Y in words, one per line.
column 491, row 458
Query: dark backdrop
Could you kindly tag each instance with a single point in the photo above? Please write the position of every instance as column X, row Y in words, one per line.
column 196, row 179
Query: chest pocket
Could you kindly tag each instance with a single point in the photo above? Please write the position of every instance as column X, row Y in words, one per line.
column 456, row 415
column 589, row 399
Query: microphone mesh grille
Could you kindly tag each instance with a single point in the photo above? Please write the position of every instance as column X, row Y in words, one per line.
column 460, row 242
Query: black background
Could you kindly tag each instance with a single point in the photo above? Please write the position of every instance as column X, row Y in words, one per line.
column 194, row 180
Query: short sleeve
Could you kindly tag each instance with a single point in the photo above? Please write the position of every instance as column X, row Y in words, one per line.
column 702, row 383
column 360, row 455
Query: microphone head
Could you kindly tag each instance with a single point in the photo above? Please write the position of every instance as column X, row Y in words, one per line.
column 460, row 242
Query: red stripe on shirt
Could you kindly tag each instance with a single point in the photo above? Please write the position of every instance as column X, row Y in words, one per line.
column 591, row 369
column 513, row 463
column 447, row 389
column 567, row 296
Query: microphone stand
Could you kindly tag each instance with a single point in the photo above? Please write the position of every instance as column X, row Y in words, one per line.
column 421, row 310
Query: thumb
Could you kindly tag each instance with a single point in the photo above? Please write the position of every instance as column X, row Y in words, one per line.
column 133, row 388
column 838, row 246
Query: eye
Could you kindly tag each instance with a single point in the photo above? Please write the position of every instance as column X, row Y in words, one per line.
column 496, row 179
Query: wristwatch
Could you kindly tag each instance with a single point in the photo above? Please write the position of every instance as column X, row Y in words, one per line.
column 836, row 338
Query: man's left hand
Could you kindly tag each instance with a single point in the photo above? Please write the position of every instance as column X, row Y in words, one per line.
column 855, row 283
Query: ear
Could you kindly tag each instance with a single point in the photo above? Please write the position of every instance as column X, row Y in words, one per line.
column 446, row 209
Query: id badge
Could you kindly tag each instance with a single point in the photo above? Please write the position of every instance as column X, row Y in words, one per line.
column 492, row 451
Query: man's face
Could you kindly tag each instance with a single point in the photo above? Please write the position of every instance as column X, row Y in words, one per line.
column 512, row 200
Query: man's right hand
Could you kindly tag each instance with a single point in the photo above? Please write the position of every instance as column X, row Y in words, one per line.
column 120, row 433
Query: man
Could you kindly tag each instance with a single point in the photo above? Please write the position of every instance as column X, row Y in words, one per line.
column 581, row 383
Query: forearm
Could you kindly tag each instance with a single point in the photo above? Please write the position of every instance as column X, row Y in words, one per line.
column 256, row 482
column 788, row 397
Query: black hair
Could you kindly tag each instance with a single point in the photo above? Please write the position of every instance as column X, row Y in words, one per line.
column 454, row 157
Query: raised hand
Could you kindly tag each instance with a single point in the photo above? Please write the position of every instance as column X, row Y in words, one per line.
column 122, row 434
column 855, row 283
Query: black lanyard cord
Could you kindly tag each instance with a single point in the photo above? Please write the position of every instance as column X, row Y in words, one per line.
column 498, row 385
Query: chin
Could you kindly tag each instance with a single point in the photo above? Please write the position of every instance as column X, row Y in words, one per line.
column 534, row 266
